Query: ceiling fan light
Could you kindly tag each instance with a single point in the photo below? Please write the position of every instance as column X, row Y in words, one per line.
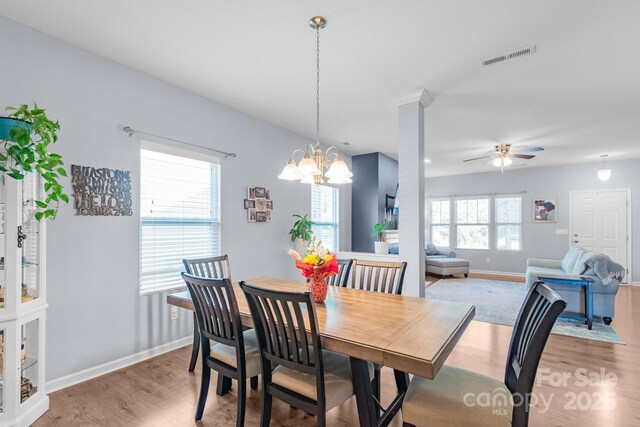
column 497, row 162
column 604, row 174
column 507, row 161
column 290, row 172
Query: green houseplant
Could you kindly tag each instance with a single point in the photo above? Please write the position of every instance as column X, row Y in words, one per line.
column 301, row 232
column 381, row 245
column 25, row 136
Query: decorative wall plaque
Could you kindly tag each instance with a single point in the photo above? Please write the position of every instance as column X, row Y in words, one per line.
column 101, row 191
column 258, row 204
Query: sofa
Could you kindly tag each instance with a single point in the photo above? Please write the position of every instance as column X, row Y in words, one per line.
column 431, row 251
column 573, row 263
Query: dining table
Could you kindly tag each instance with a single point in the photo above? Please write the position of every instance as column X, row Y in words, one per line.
column 407, row 334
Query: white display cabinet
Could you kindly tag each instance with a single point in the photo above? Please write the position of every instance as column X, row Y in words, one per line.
column 23, row 305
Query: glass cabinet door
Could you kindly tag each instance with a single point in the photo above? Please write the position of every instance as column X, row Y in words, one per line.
column 29, row 342
column 31, row 244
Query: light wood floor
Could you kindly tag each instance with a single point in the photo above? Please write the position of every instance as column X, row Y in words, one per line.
column 160, row 391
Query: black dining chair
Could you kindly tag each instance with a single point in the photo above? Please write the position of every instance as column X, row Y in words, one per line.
column 234, row 354
column 305, row 376
column 340, row 279
column 449, row 398
column 387, row 277
column 217, row 267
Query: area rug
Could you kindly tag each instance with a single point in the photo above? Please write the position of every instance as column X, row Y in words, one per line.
column 499, row 302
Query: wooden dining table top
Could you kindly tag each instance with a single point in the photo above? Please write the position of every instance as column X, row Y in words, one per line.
column 409, row 334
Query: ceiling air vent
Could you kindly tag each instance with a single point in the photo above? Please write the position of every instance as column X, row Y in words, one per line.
column 509, row 55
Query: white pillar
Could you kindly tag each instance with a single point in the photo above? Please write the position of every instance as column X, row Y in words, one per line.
column 411, row 191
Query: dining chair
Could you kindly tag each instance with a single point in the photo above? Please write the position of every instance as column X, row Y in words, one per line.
column 234, row 354
column 375, row 276
column 455, row 396
column 217, row 267
column 305, row 376
column 340, row 279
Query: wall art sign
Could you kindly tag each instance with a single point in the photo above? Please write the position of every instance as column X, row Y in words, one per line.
column 101, row 191
column 258, row 204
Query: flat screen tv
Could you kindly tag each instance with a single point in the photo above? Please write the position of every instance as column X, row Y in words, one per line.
column 396, row 202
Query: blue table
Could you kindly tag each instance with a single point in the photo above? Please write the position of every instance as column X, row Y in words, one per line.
column 583, row 281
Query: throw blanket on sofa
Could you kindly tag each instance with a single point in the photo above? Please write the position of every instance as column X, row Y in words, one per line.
column 605, row 268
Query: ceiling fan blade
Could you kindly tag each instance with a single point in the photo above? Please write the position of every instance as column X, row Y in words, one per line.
column 529, row 150
column 521, row 156
column 477, row 158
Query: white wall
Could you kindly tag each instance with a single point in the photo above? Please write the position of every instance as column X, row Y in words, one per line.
column 540, row 240
column 96, row 314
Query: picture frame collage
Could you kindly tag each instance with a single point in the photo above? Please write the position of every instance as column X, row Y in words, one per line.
column 258, row 204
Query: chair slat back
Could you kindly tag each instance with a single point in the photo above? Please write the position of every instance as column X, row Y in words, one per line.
column 340, row 279
column 374, row 276
column 216, row 308
column 538, row 314
column 217, row 267
column 286, row 326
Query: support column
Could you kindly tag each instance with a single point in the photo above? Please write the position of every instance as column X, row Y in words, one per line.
column 412, row 188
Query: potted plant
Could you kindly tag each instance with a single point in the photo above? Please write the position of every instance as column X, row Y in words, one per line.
column 301, row 232
column 25, row 136
column 381, row 245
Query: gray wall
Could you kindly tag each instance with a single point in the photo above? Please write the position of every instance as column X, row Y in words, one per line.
column 374, row 176
column 540, row 240
column 96, row 314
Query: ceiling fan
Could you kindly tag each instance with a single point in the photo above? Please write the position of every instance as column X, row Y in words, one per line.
column 502, row 155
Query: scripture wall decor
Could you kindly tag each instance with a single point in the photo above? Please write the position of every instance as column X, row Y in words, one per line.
column 258, row 204
column 101, row 191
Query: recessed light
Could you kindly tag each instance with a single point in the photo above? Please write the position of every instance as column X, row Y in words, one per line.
column 427, row 160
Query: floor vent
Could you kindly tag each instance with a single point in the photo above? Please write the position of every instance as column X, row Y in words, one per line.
column 509, row 55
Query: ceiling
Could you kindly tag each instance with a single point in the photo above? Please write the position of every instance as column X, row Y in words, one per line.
column 578, row 96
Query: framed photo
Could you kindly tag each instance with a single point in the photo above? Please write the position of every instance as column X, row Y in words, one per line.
column 260, row 192
column 251, row 193
column 269, row 204
column 267, row 194
column 545, row 210
column 251, row 215
column 261, row 204
column 249, row 204
column 268, row 211
column 261, row 216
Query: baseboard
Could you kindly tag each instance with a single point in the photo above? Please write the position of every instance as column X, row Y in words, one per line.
column 497, row 273
column 96, row 371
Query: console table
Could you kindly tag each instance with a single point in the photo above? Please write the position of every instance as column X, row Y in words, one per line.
column 583, row 281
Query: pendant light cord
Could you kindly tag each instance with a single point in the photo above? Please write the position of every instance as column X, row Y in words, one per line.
column 318, row 85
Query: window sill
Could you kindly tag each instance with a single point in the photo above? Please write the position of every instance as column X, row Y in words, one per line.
column 472, row 249
column 169, row 289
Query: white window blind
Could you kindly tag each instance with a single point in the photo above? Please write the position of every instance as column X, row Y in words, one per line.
column 441, row 223
column 508, row 223
column 472, row 223
column 179, row 216
column 325, row 212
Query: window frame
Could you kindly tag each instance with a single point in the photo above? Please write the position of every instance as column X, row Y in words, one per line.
column 488, row 224
column 496, row 224
column 450, row 224
column 145, row 220
column 336, row 209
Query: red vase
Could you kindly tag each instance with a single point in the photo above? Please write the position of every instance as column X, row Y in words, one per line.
column 318, row 288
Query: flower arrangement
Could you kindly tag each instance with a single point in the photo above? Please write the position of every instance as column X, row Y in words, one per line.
column 317, row 265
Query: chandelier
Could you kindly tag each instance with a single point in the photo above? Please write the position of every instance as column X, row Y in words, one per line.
column 311, row 168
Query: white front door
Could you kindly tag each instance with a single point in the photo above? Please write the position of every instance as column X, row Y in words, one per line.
column 599, row 223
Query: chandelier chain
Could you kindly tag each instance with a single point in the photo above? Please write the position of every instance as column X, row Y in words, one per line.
column 318, row 85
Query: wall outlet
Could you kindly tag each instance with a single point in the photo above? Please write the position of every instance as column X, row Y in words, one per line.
column 174, row 313
column 488, row 259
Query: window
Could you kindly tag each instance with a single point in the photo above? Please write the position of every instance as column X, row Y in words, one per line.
column 508, row 222
column 472, row 223
column 325, row 212
column 179, row 215
column 440, row 223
